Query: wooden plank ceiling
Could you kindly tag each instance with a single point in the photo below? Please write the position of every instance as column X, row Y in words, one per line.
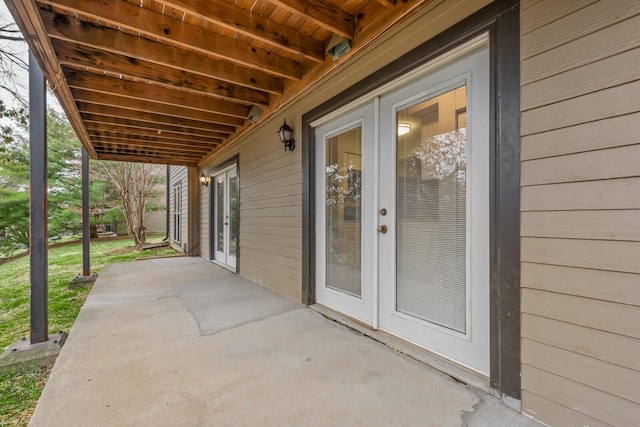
column 173, row 81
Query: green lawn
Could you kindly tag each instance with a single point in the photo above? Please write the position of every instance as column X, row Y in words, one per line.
column 20, row 392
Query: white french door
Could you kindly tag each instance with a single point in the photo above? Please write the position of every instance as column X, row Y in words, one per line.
column 402, row 237
column 345, row 207
column 434, row 258
column 225, row 216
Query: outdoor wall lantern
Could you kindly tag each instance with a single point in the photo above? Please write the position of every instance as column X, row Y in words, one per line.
column 286, row 136
column 204, row 180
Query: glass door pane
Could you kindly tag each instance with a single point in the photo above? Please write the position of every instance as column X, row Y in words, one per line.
column 233, row 212
column 343, row 181
column 431, row 210
column 220, row 216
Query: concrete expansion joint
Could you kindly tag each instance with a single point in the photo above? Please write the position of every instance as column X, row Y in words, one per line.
column 254, row 320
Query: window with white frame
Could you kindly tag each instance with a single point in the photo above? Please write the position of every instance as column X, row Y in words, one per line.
column 177, row 211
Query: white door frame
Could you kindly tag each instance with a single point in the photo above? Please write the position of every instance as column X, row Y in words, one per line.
column 361, row 307
column 469, row 348
column 379, row 309
column 224, row 257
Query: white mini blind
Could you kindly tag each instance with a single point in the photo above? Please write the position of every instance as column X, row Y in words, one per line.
column 431, row 211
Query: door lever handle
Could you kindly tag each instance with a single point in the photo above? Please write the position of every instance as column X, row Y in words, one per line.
column 382, row 229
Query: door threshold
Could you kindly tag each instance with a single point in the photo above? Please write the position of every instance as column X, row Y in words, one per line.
column 458, row 372
column 223, row 265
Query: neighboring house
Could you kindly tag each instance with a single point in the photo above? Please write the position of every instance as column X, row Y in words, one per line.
column 178, row 188
column 465, row 183
column 155, row 219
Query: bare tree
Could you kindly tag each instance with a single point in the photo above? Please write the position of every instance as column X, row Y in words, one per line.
column 13, row 63
column 135, row 184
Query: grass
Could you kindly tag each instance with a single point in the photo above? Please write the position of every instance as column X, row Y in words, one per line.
column 19, row 392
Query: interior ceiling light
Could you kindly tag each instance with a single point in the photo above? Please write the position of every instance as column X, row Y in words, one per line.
column 403, row 128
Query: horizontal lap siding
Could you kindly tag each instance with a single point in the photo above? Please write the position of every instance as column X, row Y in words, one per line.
column 205, row 249
column 580, row 201
column 178, row 174
column 271, row 179
column 270, row 203
column 270, row 214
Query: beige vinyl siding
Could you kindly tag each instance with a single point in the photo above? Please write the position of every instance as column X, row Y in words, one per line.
column 271, row 180
column 178, row 174
column 580, row 203
column 205, row 242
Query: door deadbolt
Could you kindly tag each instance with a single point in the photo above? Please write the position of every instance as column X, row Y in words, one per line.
column 383, row 211
column 382, row 229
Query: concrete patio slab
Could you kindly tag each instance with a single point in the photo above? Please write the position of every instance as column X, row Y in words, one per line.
column 182, row 342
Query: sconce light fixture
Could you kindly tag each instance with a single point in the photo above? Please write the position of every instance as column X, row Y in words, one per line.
column 286, row 136
column 403, row 128
column 204, row 180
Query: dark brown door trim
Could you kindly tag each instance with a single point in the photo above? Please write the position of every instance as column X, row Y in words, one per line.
column 501, row 20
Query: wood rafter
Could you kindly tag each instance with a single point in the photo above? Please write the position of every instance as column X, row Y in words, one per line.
column 162, row 95
column 162, row 119
column 82, row 57
column 133, row 156
column 140, row 125
column 136, row 106
column 387, row 3
column 174, row 81
column 158, row 147
column 244, row 22
column 73, row 30
column 173, row 31
column 166, row 135
column 154, row 141
column 322, row 13
column 114, row 147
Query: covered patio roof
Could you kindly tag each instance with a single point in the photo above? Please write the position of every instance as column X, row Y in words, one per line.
column 174, row 81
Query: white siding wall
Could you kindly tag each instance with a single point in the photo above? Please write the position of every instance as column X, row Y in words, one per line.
column 271, row 180
column 580, row 211
column 178, row 174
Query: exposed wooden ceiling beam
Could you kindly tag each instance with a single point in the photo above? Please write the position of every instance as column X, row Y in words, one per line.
column 82, row 57
column 144, row 151
column 137, row 148
column 139, row 125
column 136, row 106
column 387, row 3
column 154, row 141
column 323, row 13
column 92, row 35
column 138, row 90
column 124, row 142
column 173, row 31
column 244, row 22
column 177, row 137
column 161, row 160
column 161, row 119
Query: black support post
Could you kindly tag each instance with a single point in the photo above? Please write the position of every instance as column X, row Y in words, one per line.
column 86, row 229
column 38, row 202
